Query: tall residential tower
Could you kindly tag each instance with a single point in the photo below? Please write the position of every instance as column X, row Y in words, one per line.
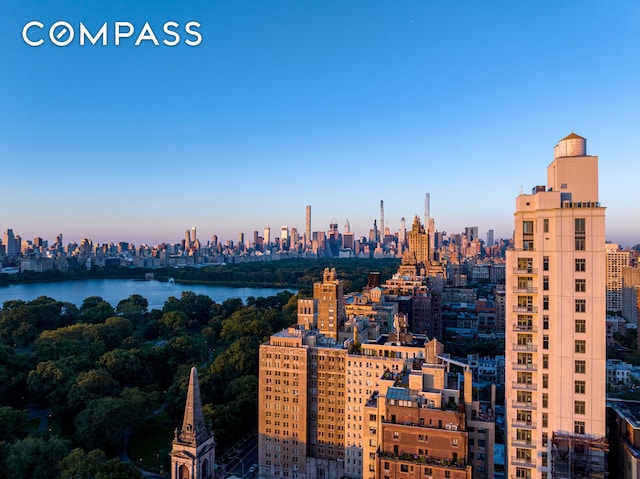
column 555, row 323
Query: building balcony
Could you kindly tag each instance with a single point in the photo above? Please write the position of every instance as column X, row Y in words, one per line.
column 523, row 424
column 525, row 328
column 460, row 464
column 523, row 462
column 525, row 309
column 525, row 386
column 524, row 367
column 525, row 271
column 528, row 289
column 531, row 406
column 528, row 443
column 529, row 347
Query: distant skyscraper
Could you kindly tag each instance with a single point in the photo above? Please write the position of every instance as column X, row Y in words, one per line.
column 308, row 226
column 373, row 234
column 431, row 231
column 490, row 239
column 9, row 241
column 194, row 237
column 402, row 233
column 555, row 364
column 381, row 225
column 471, row 233
column 187, row 239
column 348, row 238
column 427, row 211
column 267, row 236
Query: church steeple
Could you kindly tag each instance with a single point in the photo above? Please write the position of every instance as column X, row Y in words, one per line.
column 194, row 429
column 193, row 448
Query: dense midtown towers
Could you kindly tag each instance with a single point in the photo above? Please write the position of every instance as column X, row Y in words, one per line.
column 555, row 335
column 193, row 449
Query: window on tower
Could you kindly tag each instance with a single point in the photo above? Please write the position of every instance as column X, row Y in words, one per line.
column 580, row 234
column 527, row 235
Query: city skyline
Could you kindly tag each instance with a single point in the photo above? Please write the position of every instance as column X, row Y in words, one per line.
column 338, row 106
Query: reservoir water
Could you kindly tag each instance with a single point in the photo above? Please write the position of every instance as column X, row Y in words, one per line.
column 115, row 290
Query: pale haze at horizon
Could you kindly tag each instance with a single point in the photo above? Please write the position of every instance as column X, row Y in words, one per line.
column 338, row 105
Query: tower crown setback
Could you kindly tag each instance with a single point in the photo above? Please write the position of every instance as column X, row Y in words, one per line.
column 572, row 172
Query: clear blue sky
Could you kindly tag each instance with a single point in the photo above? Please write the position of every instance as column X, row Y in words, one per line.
column 336, row 104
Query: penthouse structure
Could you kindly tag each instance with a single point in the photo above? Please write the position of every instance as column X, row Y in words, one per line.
column 556, row 323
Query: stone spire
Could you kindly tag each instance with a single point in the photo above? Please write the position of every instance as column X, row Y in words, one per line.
column 194, row 430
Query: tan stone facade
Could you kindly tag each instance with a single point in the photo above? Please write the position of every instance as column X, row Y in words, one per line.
column 330, row 297
column 283, row 405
